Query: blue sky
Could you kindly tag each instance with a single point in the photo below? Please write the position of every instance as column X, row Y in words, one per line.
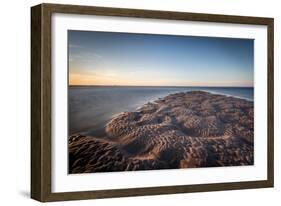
column 107, row 58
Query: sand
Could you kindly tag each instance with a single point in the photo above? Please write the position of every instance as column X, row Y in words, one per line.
column 182, row 130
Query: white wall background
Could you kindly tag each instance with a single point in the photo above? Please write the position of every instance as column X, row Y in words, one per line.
column 15, row 102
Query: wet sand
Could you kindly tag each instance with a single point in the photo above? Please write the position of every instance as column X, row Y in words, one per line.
column 182, row 130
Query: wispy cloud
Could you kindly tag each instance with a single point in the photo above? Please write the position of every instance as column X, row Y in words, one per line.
column 75, row 46
column 79, row 52
column 97, row 55
column 84, row 57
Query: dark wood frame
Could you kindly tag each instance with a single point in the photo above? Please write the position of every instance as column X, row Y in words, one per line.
column 41, row 101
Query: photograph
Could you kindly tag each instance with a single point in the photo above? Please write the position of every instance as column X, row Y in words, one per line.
column 156, row 101
column 134, row 102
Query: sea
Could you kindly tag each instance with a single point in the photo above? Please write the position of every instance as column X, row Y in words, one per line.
column 91, row 107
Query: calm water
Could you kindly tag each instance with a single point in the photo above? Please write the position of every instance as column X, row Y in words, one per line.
column 91, row 107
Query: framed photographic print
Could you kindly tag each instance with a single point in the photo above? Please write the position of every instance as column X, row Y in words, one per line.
column 132, row 102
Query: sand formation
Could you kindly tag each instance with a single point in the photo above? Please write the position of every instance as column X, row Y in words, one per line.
column 182, row 130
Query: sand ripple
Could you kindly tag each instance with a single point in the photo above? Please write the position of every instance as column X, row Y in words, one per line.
column 183, row 130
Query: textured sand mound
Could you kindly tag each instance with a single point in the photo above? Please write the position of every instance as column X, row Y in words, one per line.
column 183, row 130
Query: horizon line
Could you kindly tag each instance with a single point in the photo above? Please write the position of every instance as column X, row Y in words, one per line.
column 96, row 85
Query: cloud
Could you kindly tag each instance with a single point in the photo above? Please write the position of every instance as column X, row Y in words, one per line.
column 85, row 57
column 97, row 55
column 75, row 46
column 81, row 53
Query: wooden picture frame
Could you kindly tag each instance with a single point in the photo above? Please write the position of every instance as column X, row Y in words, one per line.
column 41, row 171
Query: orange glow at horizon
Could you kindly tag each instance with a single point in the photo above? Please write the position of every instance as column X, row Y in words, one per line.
column 123, row 80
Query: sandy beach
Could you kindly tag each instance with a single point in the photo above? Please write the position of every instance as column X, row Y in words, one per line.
column 182, row 130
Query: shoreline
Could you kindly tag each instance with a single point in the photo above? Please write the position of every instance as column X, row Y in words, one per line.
column 181, row 130
column 228, row 95
column 153, row 100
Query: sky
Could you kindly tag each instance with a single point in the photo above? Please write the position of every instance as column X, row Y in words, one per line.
column 109, row 58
